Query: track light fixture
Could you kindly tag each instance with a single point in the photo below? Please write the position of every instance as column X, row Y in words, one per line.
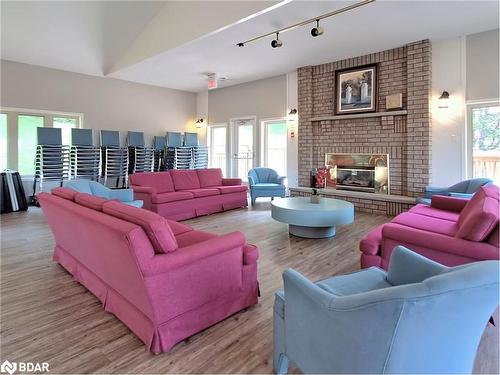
column 316, row 31
column 276, row 43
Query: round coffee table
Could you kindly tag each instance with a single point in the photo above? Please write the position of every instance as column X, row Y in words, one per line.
column 312, row 220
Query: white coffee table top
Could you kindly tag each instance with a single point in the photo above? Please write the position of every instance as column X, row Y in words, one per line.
column 300, row 211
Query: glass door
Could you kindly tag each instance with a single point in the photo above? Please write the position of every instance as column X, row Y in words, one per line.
column 217, row 144
column 275, row 138
column 243, row 146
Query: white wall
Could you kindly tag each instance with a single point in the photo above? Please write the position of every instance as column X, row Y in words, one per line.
column 448, row 124
column 106, row 103
column 483, row 66
column 264, row 99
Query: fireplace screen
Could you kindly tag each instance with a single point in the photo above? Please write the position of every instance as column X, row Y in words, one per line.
column 357, row 179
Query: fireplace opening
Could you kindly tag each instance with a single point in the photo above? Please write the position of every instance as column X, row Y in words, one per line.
column 356, row 178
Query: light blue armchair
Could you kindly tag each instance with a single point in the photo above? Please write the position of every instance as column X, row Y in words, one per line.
column 463, row 189
column 94, row 188
column 265, row 182
column 419, row 317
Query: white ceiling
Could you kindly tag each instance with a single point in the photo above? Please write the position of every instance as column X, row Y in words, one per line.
column 78, row 36
column 90, row 37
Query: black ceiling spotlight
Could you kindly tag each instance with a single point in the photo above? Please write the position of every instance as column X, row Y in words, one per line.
column 317, row 31
column 277, row 42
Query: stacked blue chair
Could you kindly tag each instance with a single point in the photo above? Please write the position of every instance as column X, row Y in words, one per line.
column 265, row 182
column 420, row 317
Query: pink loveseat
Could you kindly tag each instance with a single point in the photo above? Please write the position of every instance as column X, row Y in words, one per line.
column 451, row 231
column 183, row 194
column 162, row 279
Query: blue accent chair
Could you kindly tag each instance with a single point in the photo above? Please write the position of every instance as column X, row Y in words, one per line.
column 419, row 317
column 265, row 182
column 94, row 188
column 464, row 189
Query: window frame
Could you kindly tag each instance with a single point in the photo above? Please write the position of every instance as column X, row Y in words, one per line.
column 471, row 105
column 13, row 129
column 264, row 140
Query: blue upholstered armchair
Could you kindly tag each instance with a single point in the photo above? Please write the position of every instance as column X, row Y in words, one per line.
column 94, row 188
column 419, row 317
column 265, row 182
column 464, row 189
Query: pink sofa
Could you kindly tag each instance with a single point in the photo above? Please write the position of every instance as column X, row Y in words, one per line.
column 162, row 279
column 451, row 231
column 183, row 194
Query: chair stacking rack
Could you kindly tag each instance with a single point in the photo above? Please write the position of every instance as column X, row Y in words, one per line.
column 159, row 150
column 200, row 153
column 114, row 158
column 85, row 158
column 51, row 159
column 177, row 156
column 141, row 158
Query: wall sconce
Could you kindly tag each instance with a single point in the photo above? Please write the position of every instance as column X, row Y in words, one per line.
column 444, row 99
column 199, row 123
column 292, row 111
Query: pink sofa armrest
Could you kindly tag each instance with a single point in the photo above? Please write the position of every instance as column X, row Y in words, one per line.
column 250, row 254
column 442, row 202
column 231, row 181
column 439, row 242
column 144, row 193
column 188, row 255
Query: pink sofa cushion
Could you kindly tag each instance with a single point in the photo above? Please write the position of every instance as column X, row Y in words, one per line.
column 156, row 227
column 65, row 193
column 479, row 220
column 206, row 192
column 178, row 228
column 193, row 237
column 161, row 182
column 210, row 177
column 425, row 210
column 494, row 237
column 427, row 223
column 490, row 191
column 232, row 189
column 90, row 201
column 185, row 179
column 173, row 196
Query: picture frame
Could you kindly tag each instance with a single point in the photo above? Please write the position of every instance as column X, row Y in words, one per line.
column 356, row 90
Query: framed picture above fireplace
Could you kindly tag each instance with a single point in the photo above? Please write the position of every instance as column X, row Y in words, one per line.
column 356, row 90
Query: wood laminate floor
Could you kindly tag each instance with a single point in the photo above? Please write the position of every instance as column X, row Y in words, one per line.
column 48, row 317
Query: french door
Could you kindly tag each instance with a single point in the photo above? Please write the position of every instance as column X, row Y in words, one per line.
column 242, row 146
column 218, row 147
column 274, row 142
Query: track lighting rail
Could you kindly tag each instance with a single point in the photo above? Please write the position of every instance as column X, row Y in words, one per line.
column 306, row 22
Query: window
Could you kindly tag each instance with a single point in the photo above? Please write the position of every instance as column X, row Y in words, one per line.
column 485, row 134
column 3, row 141
column 26, row 142
column 18, row 135
column 65, row 124
column 275, row 140
column 217, row 142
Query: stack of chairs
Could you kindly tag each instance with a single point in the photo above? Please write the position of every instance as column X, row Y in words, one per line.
column 177, row 156
column 141, row 158
column 159, row 152
column 51, row 159
column 114, row 158
column 199, row 153
column 85, row 158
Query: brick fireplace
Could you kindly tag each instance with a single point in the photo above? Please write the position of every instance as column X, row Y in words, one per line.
column 403, row 135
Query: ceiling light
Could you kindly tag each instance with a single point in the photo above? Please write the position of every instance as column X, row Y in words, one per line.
column 276, row 43
column 317, row 31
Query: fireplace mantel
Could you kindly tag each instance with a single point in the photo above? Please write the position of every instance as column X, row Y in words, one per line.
column 360, row 115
